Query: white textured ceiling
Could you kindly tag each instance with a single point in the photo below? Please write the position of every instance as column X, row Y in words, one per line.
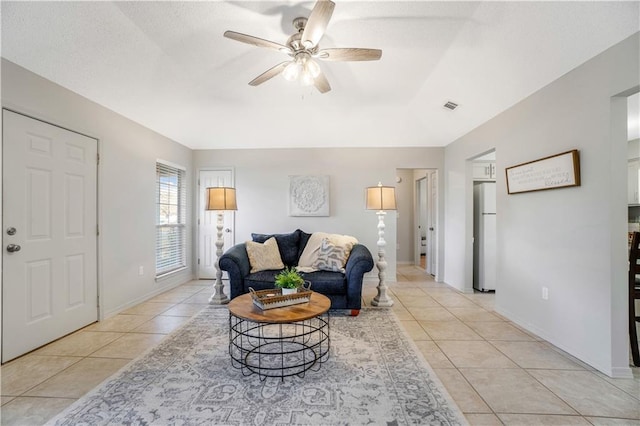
column 167, row 66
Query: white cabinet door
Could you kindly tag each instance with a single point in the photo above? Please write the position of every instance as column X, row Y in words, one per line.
column 482, row 170
column 49, row 210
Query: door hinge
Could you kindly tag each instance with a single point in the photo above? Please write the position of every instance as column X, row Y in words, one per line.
column 98, row 159
column 198, row 261
column 97, row 229
column 198, row 182
column 198, row 221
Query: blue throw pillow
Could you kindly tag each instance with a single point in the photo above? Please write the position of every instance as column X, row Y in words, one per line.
column 288, row 244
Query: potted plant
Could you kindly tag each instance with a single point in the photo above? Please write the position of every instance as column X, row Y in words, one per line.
column 289, row 280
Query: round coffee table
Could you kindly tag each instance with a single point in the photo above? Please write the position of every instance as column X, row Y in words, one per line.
column 280, row 342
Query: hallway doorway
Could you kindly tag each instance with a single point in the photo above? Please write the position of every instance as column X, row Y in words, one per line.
column 483, row 221
column 425, row 217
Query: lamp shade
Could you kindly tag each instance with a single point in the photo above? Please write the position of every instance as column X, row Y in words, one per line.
column 221, row 198
column 381, row 198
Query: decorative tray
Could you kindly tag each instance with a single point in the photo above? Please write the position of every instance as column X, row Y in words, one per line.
column 273, row 298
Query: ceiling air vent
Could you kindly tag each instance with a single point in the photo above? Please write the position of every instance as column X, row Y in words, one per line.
column 451, row 105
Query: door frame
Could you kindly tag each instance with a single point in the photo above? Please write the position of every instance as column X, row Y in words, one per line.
column 99, row 214
column 433, row 212
column 200, row 207
column 469, row 241
column 432, row 219
column 421, row 199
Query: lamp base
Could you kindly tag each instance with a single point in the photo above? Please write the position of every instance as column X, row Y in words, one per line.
column 218, row 297
column 382, row 300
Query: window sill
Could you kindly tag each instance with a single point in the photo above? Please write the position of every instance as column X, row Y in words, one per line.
column 170, row 273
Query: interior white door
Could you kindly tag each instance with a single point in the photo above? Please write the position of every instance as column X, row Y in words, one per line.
column 421, row 220
column 432, row 220
column 207, row 222
column 49, row 238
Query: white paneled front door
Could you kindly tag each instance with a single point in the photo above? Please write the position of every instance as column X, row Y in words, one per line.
column 49, row 276
column 207, row 222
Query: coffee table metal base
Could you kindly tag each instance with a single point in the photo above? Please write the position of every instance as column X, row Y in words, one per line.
column 278, row 350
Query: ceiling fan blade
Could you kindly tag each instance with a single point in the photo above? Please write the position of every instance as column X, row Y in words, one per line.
column 321, row 83
column 269, row 74
column 317, row 23
column 256, row 41
column 349, row 54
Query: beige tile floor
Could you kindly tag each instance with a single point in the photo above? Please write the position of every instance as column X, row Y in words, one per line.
column 496, row 372
column 499, row 373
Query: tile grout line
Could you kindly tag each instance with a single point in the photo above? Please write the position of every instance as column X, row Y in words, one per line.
column 458, row 371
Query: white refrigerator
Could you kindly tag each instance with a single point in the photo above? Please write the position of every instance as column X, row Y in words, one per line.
column 484, row 236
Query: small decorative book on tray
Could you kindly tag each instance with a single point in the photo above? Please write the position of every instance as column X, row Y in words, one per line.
column 273, row 298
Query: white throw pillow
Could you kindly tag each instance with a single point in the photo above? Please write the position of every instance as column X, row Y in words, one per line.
column 264, row 256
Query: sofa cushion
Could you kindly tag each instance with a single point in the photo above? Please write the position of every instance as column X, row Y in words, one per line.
column 326, row 282
column 261, row 280
column 264, row 256
column 287, row 244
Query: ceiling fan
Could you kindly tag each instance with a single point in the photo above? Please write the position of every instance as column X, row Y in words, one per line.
column 303, row 49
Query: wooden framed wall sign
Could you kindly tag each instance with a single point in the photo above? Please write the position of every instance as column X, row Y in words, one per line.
column 557, row 171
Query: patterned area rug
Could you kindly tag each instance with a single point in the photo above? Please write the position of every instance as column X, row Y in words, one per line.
column 374, row 375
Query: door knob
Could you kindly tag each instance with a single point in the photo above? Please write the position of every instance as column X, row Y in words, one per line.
column 227, row 230
column 13, row 248
column 11, row 231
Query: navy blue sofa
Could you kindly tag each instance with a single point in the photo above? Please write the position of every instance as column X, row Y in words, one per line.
column 343, row 289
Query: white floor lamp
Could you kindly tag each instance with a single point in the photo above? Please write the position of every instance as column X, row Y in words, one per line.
column 220, row 199
column 381, row 198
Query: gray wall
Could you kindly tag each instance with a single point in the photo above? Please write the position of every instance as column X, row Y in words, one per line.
column 262, row 182
column 126, row 183
column 571, row 240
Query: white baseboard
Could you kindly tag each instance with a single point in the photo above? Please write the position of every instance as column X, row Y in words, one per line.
column 112, row 312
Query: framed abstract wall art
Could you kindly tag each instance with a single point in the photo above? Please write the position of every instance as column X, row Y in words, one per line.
column 309, row 195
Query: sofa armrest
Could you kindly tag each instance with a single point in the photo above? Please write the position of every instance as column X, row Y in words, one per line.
column 359, row 263
column 236, row 262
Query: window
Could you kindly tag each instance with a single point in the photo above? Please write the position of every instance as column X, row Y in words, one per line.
column 171, row 214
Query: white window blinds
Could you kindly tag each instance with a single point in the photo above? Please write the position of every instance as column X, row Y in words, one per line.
column 171, row 214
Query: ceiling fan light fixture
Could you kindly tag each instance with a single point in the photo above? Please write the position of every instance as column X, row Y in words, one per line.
column 302, row 68
column 312, row 68
column 306, row 79
column 292, row 71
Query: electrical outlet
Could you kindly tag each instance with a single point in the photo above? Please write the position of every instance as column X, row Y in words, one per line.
column 140, row 270
column 545, row 293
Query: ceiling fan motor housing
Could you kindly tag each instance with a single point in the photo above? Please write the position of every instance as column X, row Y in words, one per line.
column 299, row 24
column 294, row 41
